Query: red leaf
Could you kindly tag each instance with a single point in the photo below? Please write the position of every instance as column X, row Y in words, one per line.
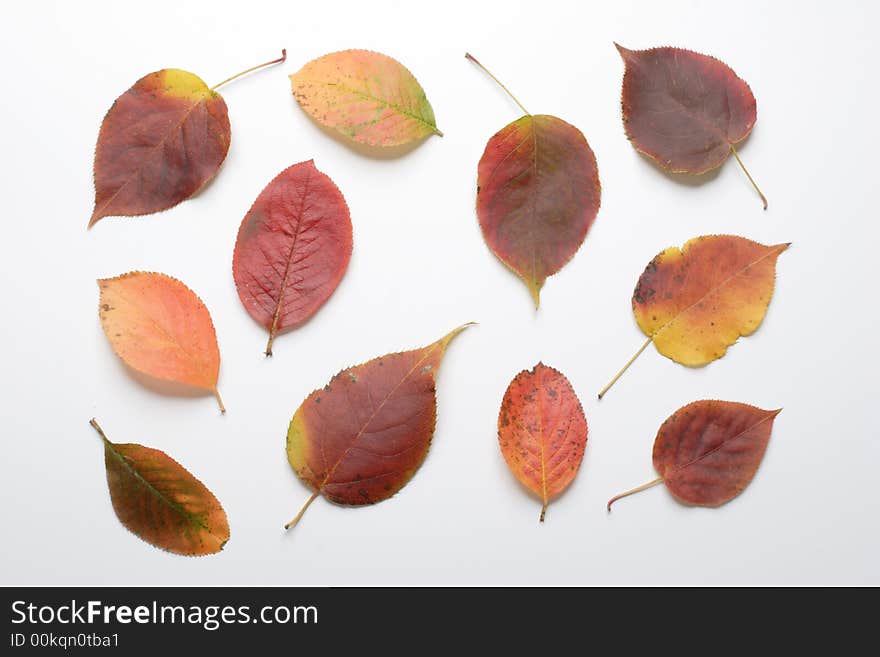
column 293, row 248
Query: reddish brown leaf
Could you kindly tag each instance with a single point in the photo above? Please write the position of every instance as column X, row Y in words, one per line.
column 157, row 499
column 361, row 438
column 542, row 431
column 708, row 451
column 160, row 143
column 538, row 193
column 293, row 248
column 685, row 110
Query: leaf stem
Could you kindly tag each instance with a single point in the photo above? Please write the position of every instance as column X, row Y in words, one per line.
column 252, row 68
column 299, row 515
column 100, row 431
column 268, row 351
column 543, row 512
column 748, row 175
column 219, row 400
column 624, row 368
column 637, row 489
column 487, row 72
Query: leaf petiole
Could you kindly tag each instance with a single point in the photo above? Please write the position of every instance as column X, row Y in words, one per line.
column 624, row 368
column 637, row 489
column 252, row 68
column 299, row 515
column 489, row 73
column 748, row 175
column 100, row 431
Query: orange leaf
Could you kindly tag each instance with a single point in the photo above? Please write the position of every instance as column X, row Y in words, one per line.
column 542, row 431
column 361, row 438
column 159, row 327
column 160, row 501
column 694, row 302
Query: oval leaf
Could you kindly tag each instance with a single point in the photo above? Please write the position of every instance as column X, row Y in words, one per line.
column 362, row 437
column 160, row 501
column 160, row 142
column 542, row 431
column 293, row 248
column 368, row 97
column 685, row 110
column 696, row 301
column 708, row 451
column 538, row 193
column 159, row 327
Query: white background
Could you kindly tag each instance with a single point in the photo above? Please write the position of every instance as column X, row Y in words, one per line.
column 419, row 268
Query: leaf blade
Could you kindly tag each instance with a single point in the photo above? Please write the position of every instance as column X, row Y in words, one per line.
column 542, row 431
column 708, row 451
column 361, row 438
column 696, row 301
column 367, row 96
column 159, row 327
column 161, row 502
column 159, row 144
column 293, row 248
column 538, row 193
column 684, row 109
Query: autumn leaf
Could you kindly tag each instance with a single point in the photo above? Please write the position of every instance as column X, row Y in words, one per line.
column 366, row 96
column 160, row 143
column 361, row 438
column 160, row 501
column 293, row 248
column 542, row 431
column 685, row 110
column 708, row 451
column 538, row 193
column 694, row 302
column 159, row 327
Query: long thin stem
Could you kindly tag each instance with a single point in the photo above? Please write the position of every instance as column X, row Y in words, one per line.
column 749, row 176
column 543, row 512
column 637, row 489
column 624, row 368
column 252, row 68
column 100, row 431
column 487, row 72
column 219, row 400
column 299, row 515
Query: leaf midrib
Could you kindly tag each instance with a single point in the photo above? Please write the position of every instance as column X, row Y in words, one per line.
column 718, row 447
column 715, row 289
column 375, row 99
column 153, row 150
column 363, row 428
column 194, row 519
